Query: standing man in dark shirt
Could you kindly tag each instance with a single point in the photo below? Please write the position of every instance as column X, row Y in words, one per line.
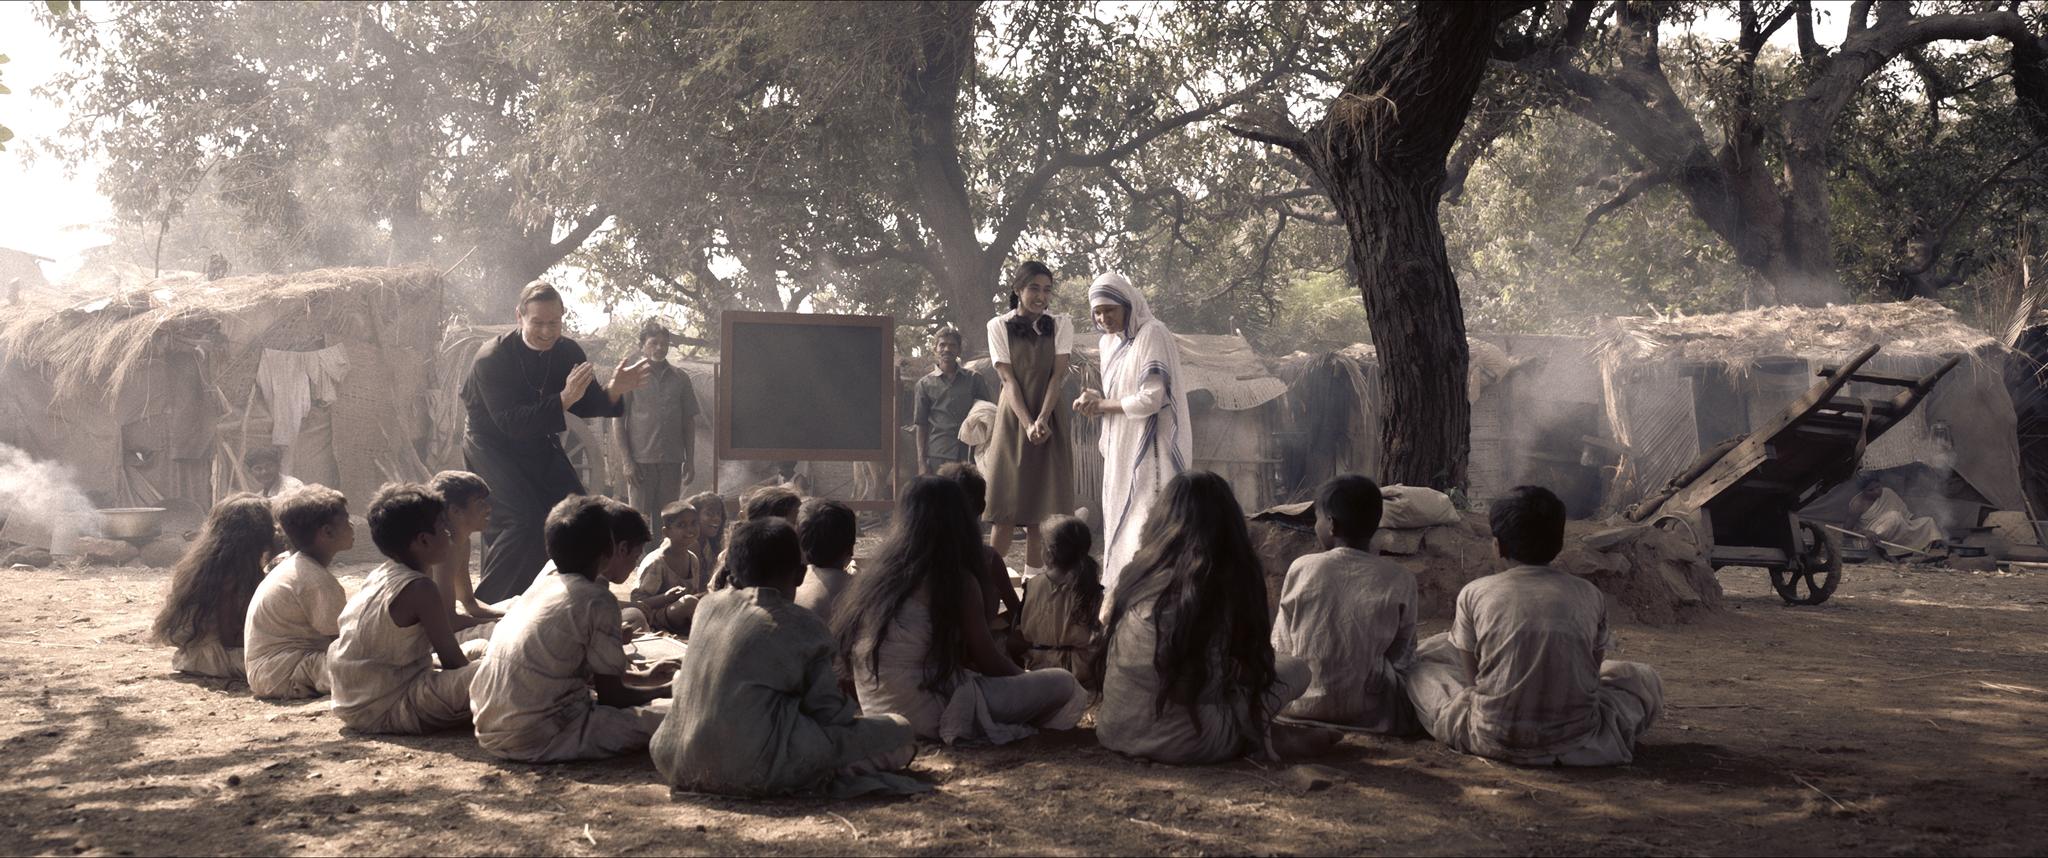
column 517, row 393
column 943, row 399
column 659, row 430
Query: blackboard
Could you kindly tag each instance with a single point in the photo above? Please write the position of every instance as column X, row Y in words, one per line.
column 804, row 386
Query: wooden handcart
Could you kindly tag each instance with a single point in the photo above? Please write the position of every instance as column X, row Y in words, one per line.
column 1744, row 499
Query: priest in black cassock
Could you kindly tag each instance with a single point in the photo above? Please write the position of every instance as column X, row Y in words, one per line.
column 519, row 388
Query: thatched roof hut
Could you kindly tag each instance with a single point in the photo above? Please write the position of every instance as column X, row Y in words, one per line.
column 1676, row 386
column 153, row 390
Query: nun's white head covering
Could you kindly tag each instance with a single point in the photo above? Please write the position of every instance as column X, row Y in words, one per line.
column 1114, row 288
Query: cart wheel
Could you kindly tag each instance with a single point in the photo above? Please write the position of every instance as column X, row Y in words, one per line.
column 1812, row 576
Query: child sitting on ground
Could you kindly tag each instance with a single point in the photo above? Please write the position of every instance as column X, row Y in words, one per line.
column 1520, row 677
column 758, row 708
column 1062, row 606
column 914, row 628
column 710, row 507
column 1350, row 616
column 532, row 697
column 211, row 588
column 773, row 501
column 995, row 574
column 469, row 512
column 1189, row 675
column 669, row 581
column 296, row 613
column 827, row 529
column 381, row 666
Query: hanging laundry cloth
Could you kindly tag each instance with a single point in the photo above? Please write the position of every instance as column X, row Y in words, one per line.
column 293, row 382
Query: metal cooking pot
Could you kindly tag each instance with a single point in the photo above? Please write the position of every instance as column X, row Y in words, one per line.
column 131, row 522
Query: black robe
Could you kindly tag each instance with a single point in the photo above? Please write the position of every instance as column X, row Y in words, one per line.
column 514, row 442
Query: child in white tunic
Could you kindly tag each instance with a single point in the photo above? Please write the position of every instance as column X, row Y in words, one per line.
column 826, row 530
column 916, row 631
column 1520, row 676
column 208, row 605
column 532, row 696
column 296, row 613
column 1350, row 616
column 381, row 666
column 758, row 706
column 1189, row 674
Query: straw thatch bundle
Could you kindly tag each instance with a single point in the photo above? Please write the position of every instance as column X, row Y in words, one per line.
column 95, row 342
column 1739, row 340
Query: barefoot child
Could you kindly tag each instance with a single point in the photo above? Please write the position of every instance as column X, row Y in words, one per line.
column 469, row 511
column 211, row 588
column 1189, row 674
column 758, row 707
column 1062, row 607
column 1521, row 675
column 827, row 530
column 668, row 582
column 532, row 697
column 1350, row 616
column 296, row 613
column 381, row 666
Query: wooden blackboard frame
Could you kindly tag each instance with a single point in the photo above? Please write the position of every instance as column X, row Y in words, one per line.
column 884, row 456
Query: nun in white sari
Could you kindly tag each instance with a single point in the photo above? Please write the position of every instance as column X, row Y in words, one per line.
column 1147, row 437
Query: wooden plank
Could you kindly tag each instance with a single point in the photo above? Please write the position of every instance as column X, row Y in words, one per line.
column 1872, row 378
column 1746, row 555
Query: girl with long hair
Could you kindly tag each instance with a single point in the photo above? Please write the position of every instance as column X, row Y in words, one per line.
column 915, row 632
column 211, row 588
column 1031, row 452
column 1189, row 674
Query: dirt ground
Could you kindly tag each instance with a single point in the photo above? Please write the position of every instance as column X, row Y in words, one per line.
column 1907, row 716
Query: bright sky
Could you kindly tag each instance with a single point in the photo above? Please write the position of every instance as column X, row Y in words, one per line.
column 55, row 212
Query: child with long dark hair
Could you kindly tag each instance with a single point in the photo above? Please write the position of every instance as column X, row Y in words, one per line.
column 1062, row 607
column 211, row 588
column 1189, row 675
column 915, row 630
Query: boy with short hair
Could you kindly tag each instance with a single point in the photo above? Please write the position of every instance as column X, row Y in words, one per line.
column 381, row 665
column 827, row 530
column 296, row 612
column 758, row 710
column 1350, row 616
column 658, row 431
column 469, row 512
column 669, row 581
column 1520, row 676
column 266, row 472
column 532, row 697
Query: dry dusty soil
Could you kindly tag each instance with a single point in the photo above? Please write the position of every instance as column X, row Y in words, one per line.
column 1907, row 716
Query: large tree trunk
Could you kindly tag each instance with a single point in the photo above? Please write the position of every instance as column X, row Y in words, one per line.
column 930, row 91
column 1379, row 152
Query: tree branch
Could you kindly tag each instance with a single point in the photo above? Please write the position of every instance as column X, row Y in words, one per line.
column 1032, row 190
column 577, row 235
column 1635, row 186
column 1294, row 143
column 1809, row 117
column 1859, row 16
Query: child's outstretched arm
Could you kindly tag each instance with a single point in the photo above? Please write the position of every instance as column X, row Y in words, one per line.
column 420, row 604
